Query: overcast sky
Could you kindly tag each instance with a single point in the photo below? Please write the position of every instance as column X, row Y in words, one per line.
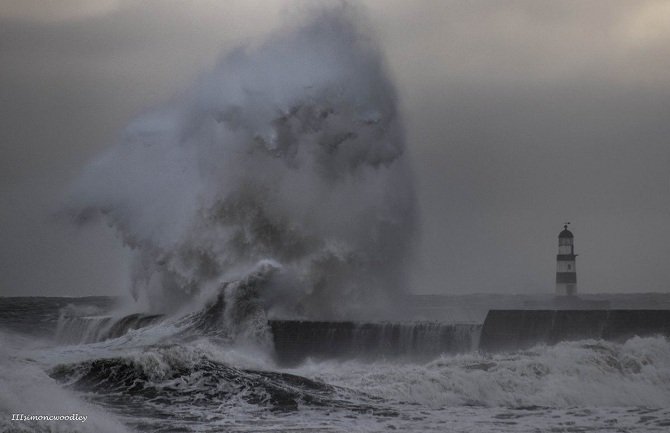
column 520, row 115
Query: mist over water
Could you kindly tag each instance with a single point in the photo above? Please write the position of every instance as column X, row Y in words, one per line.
column 286, row 161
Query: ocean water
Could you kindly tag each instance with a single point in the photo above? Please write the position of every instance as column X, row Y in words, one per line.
column 183, row 373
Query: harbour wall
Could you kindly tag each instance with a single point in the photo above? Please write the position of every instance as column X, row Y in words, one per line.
column 520, row 329
column 503, row 330
column 295, row 341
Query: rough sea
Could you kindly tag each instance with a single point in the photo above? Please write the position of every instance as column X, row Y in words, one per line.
column 62, row 356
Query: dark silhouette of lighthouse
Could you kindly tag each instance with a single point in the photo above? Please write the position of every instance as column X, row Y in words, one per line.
column 566, row 269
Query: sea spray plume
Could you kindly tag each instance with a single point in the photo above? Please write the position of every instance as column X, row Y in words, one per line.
column 292, row 152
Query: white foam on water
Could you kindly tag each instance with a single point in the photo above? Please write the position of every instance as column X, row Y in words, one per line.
column 27, row 389
column 570, row 374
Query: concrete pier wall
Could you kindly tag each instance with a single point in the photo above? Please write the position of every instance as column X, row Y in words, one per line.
column 520, row 329
column 296, row 340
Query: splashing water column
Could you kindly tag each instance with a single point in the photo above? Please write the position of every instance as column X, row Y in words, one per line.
column 566, row 268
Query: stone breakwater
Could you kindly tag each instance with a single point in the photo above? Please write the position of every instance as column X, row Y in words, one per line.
column 297, row 340
column 520, row 329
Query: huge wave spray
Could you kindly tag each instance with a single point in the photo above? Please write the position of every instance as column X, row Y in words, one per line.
column 284, row 166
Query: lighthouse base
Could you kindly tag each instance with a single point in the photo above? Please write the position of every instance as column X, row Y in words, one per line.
column 566, row 289
column 568, row 303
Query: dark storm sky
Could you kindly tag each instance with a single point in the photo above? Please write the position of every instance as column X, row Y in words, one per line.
column 520, row 115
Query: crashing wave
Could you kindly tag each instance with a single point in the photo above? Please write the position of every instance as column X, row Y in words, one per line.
column 234, row 315
column 291, row 151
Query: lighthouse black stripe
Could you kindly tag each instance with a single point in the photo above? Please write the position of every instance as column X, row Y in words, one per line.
column 566, row 257
column 566, row 277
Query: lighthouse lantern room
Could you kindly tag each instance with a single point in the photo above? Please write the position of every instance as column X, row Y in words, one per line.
column 566, row 270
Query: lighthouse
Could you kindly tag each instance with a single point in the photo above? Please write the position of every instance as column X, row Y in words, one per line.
column 566, row 270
